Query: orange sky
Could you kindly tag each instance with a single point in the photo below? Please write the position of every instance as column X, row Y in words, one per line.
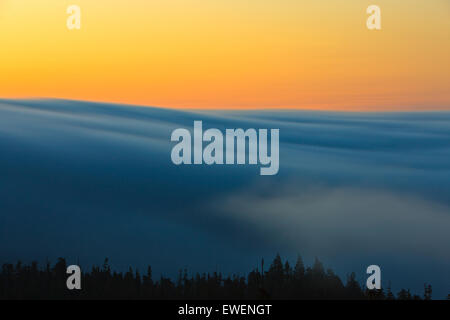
column 230, row 53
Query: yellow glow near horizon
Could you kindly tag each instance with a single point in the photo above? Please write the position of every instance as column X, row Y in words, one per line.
column 230, row 53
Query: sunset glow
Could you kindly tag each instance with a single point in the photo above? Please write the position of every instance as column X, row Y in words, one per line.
column 229, row 53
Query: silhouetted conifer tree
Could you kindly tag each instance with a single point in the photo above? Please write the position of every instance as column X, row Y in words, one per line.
column 280, row 281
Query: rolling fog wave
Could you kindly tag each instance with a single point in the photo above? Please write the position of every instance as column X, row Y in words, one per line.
column 88, row 180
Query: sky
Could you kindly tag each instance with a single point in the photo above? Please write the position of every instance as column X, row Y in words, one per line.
column 230, row 53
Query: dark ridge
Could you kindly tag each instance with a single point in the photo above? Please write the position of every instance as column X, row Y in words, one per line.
column 280, row 281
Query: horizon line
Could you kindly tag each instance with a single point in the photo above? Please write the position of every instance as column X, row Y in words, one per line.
column 414, row 109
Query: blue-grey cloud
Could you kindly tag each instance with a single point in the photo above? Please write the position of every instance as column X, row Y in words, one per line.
column 90, row 180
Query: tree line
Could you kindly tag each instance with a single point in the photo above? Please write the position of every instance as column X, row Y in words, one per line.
column 279, row 281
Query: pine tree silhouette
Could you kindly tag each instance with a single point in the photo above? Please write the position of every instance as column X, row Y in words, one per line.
column 280, row 281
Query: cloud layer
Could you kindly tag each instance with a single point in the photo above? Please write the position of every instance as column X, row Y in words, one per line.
column 87, row 180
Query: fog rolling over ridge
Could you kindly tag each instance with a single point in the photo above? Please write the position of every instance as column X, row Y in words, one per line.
column 87, row 181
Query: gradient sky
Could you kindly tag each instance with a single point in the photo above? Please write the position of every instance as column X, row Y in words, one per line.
column 230, row 53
